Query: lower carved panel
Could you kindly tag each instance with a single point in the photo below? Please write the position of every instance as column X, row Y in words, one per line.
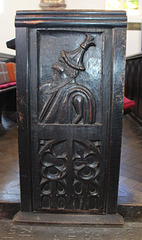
column 69, row 174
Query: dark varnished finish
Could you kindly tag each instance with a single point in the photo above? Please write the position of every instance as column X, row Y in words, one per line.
column 133, row 84
column 129, row 196
column 70, row 18
column 23, row 118
column 11, row 44
column 70, row 101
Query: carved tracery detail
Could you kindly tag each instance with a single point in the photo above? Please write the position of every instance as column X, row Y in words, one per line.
column 56, row 176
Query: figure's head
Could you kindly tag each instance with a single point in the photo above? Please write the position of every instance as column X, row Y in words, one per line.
column 63, row 71
column 70, row 63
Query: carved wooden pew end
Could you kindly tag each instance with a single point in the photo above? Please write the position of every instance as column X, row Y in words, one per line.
column 71, row 71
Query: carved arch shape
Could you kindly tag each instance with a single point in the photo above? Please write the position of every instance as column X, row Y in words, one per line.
column 85, row 106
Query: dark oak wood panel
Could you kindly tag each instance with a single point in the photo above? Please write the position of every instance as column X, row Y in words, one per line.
column 23, row 109
column 70, row 102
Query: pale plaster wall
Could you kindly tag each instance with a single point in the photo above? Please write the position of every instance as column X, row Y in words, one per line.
column 134, row 38
column 133, row 43
column 85, row 4
column 7, row 20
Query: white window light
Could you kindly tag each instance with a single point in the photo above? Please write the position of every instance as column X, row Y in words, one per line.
column 130, row 6
column 113, row 4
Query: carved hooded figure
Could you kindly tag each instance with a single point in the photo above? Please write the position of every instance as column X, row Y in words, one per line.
column 68, row 102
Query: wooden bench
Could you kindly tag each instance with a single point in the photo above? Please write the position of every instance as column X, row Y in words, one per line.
column 133, row 85
column 7, row 86
column 128, row 105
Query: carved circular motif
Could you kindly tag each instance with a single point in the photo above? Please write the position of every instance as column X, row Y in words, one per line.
column 86, row 167
column 54, row 167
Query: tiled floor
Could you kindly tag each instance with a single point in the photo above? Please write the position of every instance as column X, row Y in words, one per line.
column 130, row 187
column 9, row 166
column 130, row 183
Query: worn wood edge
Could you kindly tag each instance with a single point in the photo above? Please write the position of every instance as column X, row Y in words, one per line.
column 74, row 18
column 62, row 23
column 130, row 212
column 71, row 11
column 110, row 220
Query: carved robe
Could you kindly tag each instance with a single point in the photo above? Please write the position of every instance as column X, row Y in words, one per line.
column 70, row 104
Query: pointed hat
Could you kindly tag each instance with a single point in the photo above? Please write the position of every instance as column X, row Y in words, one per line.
column 74, row 58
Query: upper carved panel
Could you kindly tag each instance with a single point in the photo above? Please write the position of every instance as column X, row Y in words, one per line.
column 67, row 101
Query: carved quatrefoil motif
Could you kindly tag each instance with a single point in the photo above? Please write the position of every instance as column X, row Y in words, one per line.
column 54, row 167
